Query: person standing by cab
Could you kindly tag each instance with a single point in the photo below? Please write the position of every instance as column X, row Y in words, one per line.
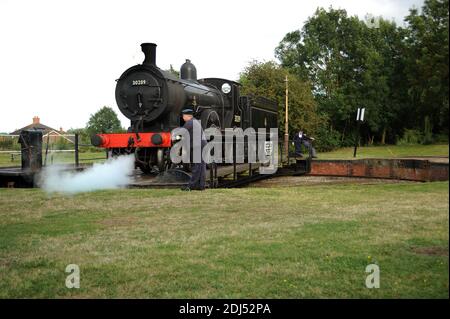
column 197, row 142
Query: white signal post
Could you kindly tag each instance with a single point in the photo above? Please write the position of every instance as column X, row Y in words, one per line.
column 359, row 119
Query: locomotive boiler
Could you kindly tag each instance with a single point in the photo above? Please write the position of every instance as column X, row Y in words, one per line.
column 153, row 99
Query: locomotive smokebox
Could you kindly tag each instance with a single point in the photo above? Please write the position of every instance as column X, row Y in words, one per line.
column 149, row 50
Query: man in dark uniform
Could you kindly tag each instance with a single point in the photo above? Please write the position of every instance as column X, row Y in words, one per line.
column 197, row 142
column 300, row 139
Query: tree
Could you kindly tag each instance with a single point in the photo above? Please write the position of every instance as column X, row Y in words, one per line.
column 268, row 80
column 83, row 135
column 329, row 52
column 400, row 75
column 395, row 107
column 173, row 71
column 427, row 42
column 350, row 64
column 389, row 107
column 104, row 120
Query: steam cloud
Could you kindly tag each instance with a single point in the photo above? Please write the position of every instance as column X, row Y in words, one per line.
column 114, row 173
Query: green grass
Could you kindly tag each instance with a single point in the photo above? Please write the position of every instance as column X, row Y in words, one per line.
column 388, row 151
column 294, row 242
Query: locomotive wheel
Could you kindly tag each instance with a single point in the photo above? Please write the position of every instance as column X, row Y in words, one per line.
column 210, row 118
column 160, row 159
column 145, row 169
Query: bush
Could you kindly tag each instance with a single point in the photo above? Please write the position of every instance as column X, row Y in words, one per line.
column 326, row 139
column 410, row 137
column 349, row 140
column 6, row 143
column 9, row 144
column 63, row 144
column 441, row 138
column 426, row 137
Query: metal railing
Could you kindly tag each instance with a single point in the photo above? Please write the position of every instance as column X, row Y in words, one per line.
column 282, row 162
column 52, row 143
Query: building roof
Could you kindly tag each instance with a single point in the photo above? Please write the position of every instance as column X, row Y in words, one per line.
column 36, row 125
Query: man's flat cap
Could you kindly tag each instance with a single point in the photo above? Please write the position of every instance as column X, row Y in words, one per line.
column 187, row 110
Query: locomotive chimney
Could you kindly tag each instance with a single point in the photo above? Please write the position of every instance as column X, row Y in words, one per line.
column 149, row 50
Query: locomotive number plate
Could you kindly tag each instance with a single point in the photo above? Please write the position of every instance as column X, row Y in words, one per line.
column 139, row 82
column 268, row 148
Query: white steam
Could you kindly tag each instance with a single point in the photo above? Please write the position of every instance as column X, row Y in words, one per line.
column 114, row 173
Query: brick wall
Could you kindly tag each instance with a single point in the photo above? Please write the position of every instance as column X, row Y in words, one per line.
column 408, row 169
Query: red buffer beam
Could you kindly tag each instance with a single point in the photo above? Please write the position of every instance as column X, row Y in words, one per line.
column 125, row 140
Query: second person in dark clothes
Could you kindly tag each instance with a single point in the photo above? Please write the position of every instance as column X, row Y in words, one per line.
column 300, row 139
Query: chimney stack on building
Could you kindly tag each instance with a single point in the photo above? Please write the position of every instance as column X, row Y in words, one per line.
column 36, row 120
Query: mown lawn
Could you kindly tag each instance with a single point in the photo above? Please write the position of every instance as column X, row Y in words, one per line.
column 387, row 151
column 295, row 242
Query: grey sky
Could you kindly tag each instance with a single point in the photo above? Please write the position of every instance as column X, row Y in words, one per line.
column 59, row 59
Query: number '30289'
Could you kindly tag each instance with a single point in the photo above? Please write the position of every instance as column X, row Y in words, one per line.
column 139, row 82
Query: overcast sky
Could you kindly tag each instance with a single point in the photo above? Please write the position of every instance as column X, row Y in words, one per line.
column 59, row 59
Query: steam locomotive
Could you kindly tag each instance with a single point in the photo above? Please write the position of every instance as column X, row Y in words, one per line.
column 153, row 99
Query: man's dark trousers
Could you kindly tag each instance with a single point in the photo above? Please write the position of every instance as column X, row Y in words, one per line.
column 197, row 180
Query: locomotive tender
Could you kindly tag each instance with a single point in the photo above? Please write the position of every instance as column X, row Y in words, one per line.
column 153, row 99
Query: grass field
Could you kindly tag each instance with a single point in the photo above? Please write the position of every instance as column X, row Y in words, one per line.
column 388, row 151
column 293, row 242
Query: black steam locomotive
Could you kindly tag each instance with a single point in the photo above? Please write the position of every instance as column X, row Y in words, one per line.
column 153, row 99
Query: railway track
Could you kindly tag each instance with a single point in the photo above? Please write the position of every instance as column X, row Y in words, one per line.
column 239, row 175
column 223, row 176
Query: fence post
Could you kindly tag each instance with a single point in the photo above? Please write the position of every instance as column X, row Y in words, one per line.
column 357, row 137
column 77, row 158
column 234, row 160
column 46, row 149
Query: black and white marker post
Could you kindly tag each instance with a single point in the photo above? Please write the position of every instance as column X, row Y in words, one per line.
column 359, row 119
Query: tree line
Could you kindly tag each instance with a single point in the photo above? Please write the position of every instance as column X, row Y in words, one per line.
column 337, row 63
